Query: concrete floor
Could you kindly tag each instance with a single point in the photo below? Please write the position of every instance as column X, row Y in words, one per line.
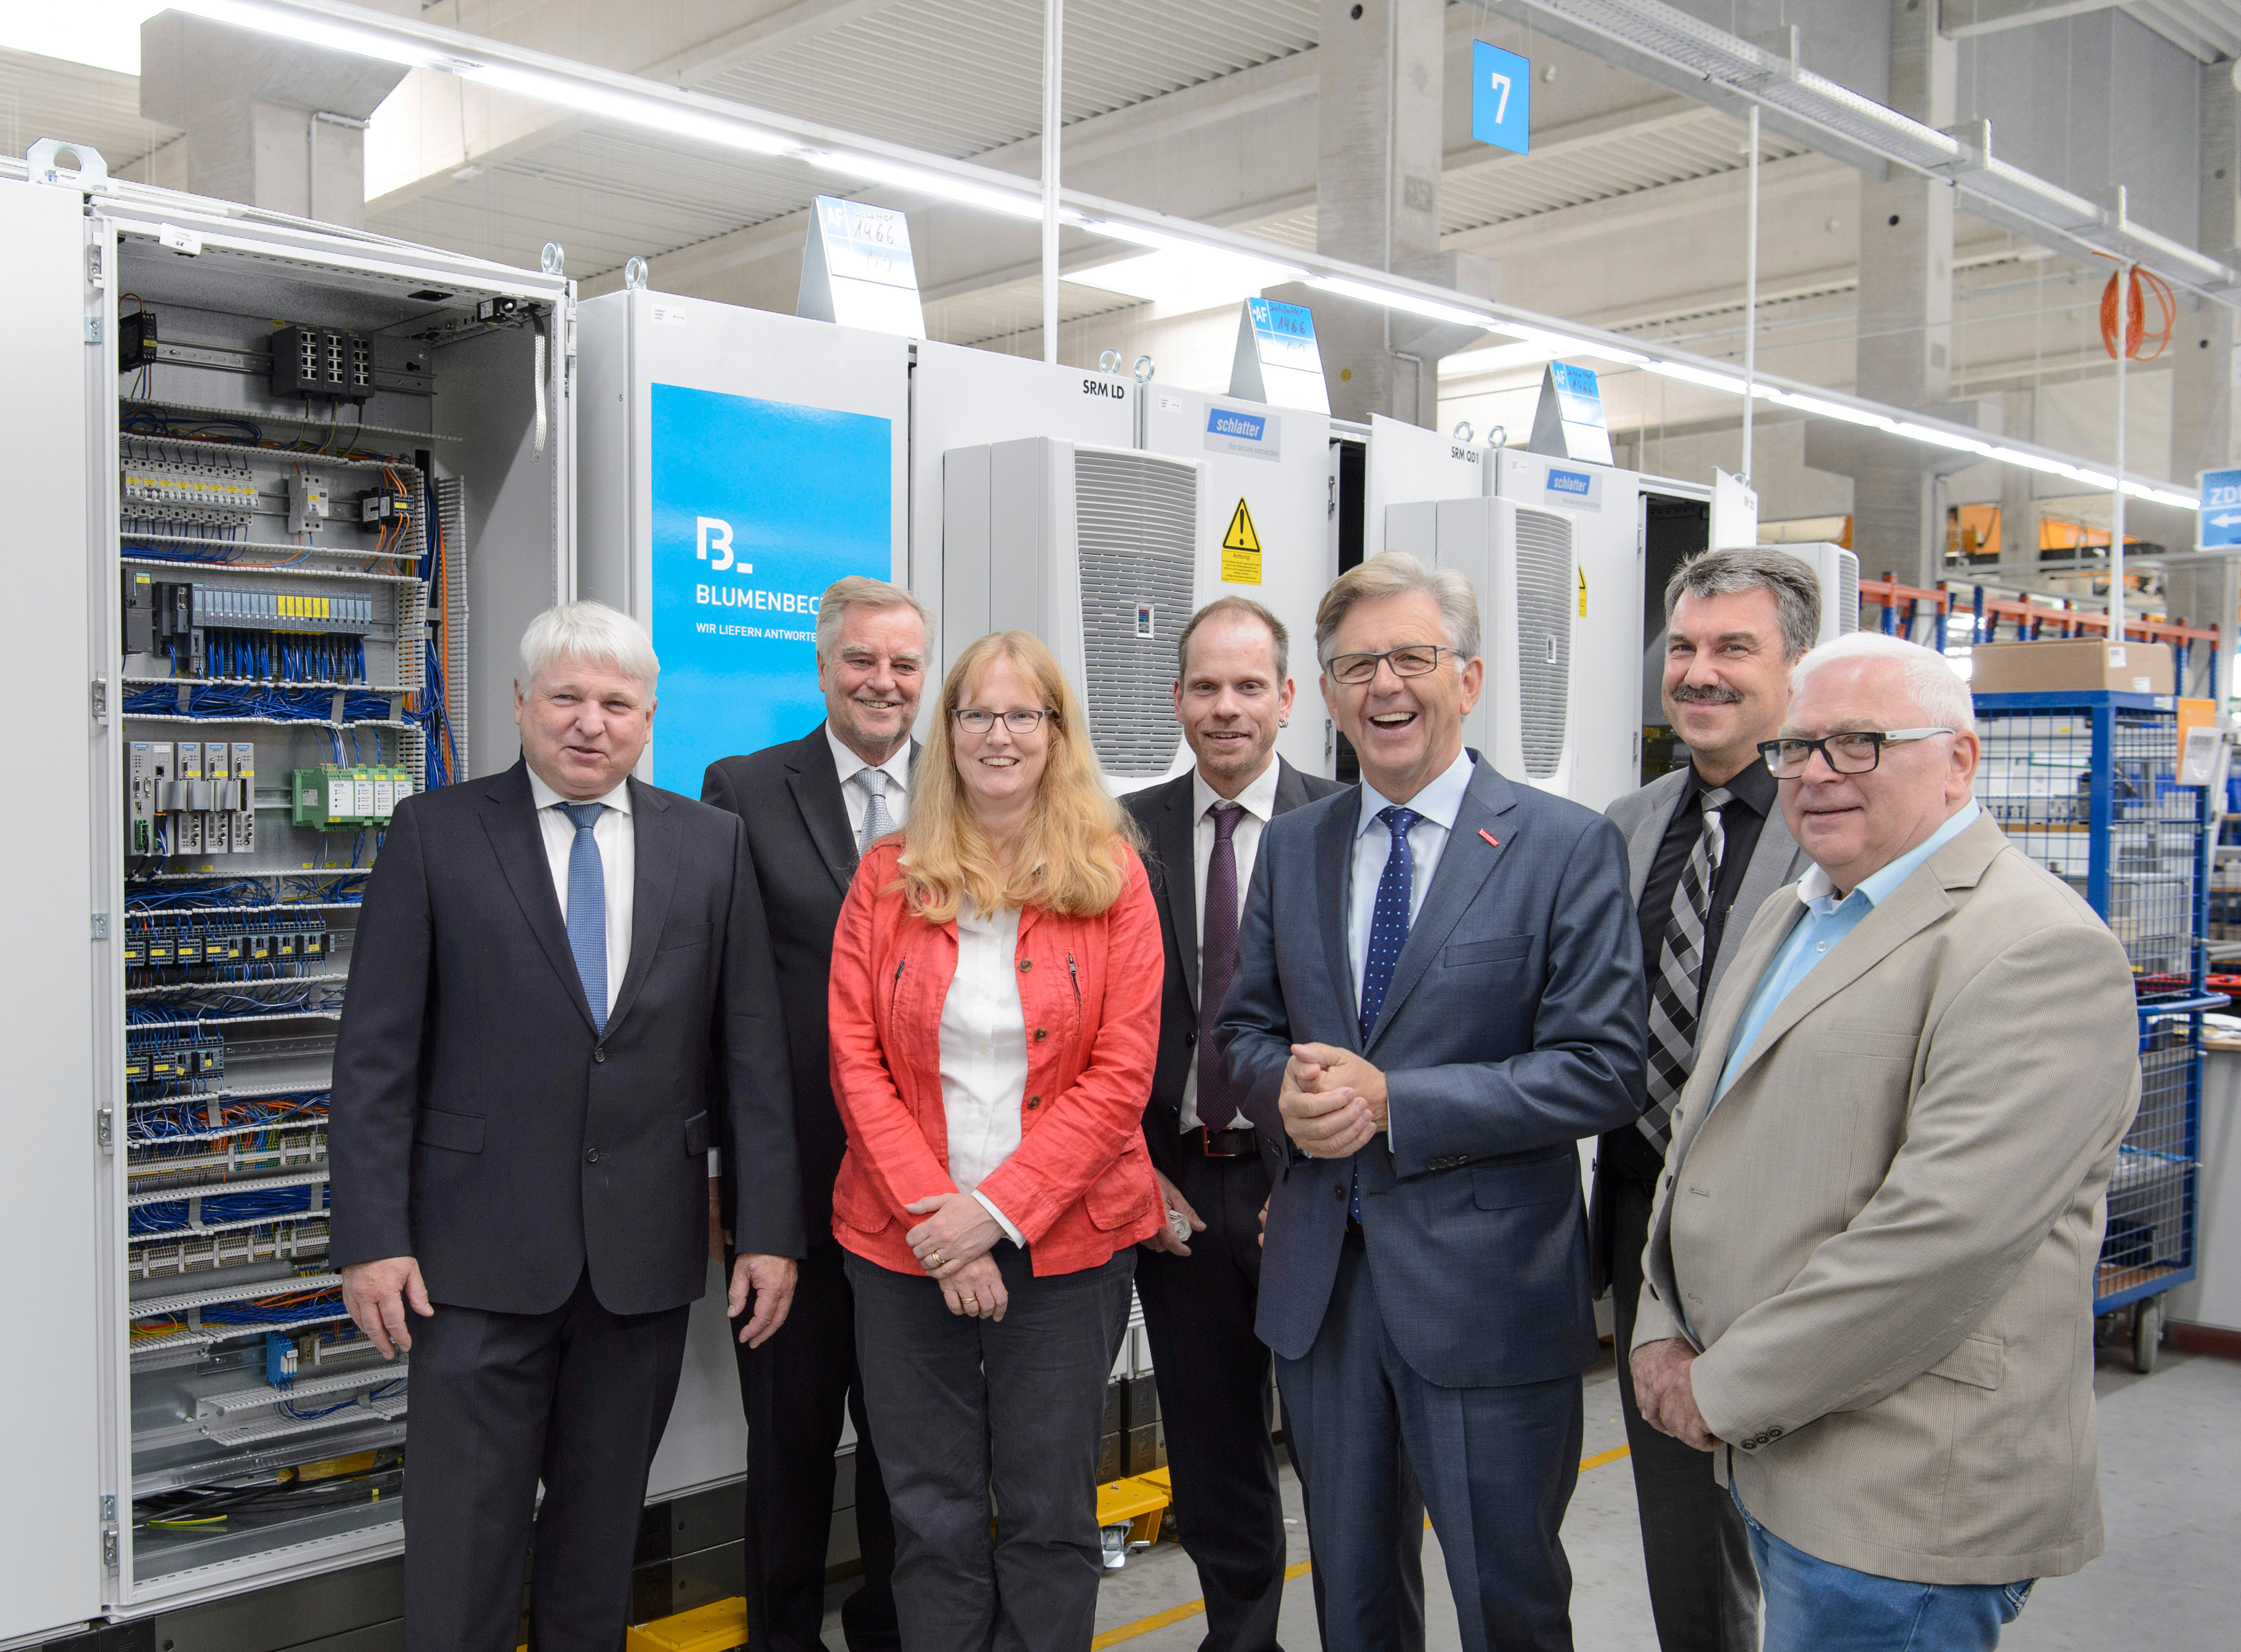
column 2170, row 1464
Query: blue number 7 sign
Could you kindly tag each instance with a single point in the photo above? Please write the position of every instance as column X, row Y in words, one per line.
column 1501, row 98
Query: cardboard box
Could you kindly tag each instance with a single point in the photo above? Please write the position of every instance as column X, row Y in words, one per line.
column 2077, row 663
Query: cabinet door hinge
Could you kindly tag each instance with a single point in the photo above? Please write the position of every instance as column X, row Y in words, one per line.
column 100, row 700
column 101, row 925
column 104, row 1129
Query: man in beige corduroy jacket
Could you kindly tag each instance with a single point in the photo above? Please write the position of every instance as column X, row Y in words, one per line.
column 1870, row 1268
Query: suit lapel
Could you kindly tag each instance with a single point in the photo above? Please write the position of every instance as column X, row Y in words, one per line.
column 1913, row 906
column 1775, row 861
column 1178, row 856
column 816, row 787
column 510, row 820
column 1335, row 836
column 1649, row 830
column 651, row 884
column 1466, row 862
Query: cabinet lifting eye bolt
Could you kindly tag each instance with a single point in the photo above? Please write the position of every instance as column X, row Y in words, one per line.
column 1465, row 433
column 634, row 274
column 1109, row 362
column 1143, row 370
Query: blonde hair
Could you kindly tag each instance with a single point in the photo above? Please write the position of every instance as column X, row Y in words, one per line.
column 1071, row 858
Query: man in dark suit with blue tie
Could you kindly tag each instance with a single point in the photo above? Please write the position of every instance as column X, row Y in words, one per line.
column 561, row 998
column 1435, row 1001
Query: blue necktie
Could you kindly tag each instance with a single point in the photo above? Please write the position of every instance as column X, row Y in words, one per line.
column 587, row 908
column 1388, row 934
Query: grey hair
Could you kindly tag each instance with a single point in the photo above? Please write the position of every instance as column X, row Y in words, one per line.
column 857, row 592
column 1724, row 573
column 1246, row 608
column 592, row 632
column 1936, row 688
column 1396, row 574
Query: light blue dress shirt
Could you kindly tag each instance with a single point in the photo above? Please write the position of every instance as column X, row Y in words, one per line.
column 1436, row 806
column 1827, row 921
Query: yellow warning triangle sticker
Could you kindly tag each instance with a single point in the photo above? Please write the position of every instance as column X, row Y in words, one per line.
column 1241, row 536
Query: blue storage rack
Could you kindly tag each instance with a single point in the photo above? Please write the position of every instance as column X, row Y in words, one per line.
column 2086, row 784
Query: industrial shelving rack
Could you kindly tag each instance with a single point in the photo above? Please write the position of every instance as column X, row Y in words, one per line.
column 2086, row 784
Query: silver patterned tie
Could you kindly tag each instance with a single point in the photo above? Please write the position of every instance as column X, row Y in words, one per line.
column 1674, row 990
column 877, row 822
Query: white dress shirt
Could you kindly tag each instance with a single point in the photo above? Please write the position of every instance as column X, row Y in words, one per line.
column 1259, row 802
column 984, row 1053
column 1436, row 806
column 857, row 795
column 615, row 836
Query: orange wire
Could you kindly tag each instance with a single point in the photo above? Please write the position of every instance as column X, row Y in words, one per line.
column 2132, row 299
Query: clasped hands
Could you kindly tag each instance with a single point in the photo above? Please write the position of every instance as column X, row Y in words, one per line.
column 953, row 1245
column 1663, row 1395
column 1332, row 1102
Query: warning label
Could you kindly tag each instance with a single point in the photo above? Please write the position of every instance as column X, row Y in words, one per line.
column 1240, row 549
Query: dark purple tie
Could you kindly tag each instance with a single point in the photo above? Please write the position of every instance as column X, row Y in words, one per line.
column 1217, row 962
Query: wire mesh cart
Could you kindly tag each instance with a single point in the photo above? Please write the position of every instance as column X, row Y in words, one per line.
column 2086, row 784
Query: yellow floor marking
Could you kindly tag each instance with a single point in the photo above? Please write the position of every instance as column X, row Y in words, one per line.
column 1194, row 1609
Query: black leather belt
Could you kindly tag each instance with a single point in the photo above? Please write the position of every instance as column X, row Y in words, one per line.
column 1225, row 1144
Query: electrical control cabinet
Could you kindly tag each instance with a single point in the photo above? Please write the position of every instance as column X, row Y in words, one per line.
column 250, row 580
column 1837, row 571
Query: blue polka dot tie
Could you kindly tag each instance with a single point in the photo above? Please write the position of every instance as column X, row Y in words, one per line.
column 1388, row 934
column 587, row 908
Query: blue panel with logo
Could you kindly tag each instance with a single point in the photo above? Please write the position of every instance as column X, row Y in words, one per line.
column 758, row 507
column 2221, row 510
column 1501, row 98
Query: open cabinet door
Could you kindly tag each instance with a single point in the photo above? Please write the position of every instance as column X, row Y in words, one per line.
column 51, row 1520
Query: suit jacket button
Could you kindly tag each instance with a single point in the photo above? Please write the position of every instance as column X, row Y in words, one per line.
column 1339, row 1193
column 599, row 1052
column 1025, row 964
column 591, row 1155
column 1034, row 1102
column 1774, row 1433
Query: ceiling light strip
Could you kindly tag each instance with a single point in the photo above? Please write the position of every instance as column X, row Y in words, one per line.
column 698, row 117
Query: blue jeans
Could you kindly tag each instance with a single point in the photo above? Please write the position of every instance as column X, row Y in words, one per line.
column 1817, row 1606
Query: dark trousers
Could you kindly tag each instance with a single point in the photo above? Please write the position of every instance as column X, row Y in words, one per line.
column 1216, row 1402
column 1703, row 1589
column 1497, row 1467
column 796, row 1388
column 577, row 1398
column 963, row 1407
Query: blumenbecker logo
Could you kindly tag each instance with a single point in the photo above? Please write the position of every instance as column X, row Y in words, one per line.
column 715, row 535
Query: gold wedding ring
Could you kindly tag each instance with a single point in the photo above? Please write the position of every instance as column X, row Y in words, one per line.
column 934, row 1259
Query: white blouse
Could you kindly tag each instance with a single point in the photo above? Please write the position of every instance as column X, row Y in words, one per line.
column 984, row 1053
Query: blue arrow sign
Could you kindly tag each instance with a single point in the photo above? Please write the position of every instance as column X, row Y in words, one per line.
column 2221, row 510
column 1501, row 98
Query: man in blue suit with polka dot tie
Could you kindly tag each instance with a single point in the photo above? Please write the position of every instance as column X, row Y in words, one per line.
column 1435, row 999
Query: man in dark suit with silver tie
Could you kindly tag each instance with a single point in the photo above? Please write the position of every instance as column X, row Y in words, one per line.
column 1706, row 844
column 1232, row 691
column 812, row 806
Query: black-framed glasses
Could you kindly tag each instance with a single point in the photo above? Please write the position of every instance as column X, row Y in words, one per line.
column 1853, row 752
column 1415, row 659
column 1019, row 722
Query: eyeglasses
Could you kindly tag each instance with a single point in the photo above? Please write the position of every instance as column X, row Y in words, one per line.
column 978, row 722
column 1416, row 660
column 1849, row 754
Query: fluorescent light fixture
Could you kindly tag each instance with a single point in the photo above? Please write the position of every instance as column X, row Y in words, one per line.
column 1404, row 301
column 873, row 169
column 318, row 31
column 629, row 108
column 105, row 33
column 1184, row 279
column 1532, row 347
column 1689, row 375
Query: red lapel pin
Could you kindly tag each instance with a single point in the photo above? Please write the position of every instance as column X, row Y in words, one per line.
column 1489, row 837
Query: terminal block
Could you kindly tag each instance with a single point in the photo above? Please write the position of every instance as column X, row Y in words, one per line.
column 334, row 797
column 188, row 493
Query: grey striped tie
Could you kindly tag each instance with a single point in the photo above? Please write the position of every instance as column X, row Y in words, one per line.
column 1673, row 990
column 877, row 822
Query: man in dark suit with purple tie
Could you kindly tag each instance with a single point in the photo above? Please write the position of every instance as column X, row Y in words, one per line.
column 1232, row 694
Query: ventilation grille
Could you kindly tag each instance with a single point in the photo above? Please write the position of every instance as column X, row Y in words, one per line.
column 1848, row 593
column 1136, row 519
column 1545, row 593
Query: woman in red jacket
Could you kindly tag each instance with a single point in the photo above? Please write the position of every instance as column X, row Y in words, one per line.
column 995, row 1010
